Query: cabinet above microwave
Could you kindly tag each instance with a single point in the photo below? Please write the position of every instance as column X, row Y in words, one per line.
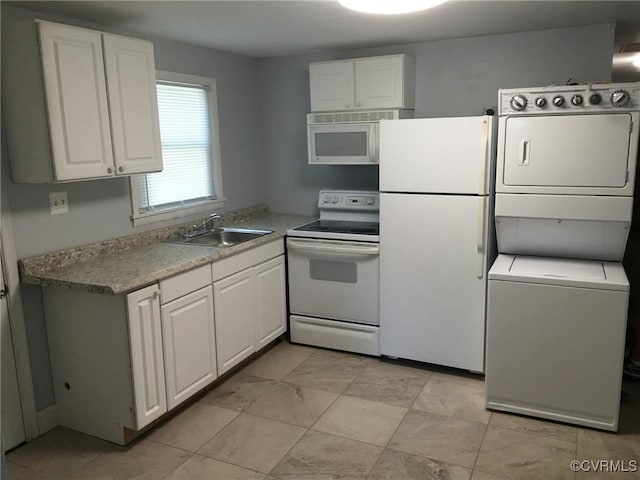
column 363, row 83
column 347, row 138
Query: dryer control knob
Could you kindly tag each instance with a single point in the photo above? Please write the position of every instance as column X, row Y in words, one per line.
column 518, row 102
column 619, row 98
column 558, row 100
column 595, row 99
column 326, row 199
column 334, row 199
column 577, row 100
column 541, row 102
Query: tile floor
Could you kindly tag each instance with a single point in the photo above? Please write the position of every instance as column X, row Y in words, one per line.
column 311, row 414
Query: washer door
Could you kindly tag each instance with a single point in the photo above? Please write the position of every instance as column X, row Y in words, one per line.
column 580, row 154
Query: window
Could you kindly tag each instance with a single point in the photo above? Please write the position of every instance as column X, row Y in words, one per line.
column 190, row 182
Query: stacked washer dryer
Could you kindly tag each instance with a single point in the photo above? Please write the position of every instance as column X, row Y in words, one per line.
column 558, row 295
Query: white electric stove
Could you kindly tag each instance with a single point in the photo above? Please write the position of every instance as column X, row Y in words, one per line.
column 333, row 274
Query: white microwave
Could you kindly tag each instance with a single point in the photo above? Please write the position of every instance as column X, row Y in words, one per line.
column 347, row 138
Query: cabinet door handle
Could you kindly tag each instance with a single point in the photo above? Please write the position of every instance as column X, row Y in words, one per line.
column 156, row 294
column 121, row 169
column 109, row 170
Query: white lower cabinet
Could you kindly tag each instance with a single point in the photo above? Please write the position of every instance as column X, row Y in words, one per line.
column 235, row 312
column 271, row 308
column 107, row 360
column 189, row 341
column 147, row 367
column 250, row 306
column 119, row 362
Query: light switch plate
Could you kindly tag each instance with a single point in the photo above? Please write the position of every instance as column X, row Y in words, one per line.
column 58, row 203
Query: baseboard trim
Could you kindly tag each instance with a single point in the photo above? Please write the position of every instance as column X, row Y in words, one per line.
column 47, row 419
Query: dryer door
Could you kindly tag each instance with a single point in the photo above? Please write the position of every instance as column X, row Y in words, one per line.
column 573, row 154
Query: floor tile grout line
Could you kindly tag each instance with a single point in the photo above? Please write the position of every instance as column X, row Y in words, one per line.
column 484, row 434
column 452, row 416
column 180, row 465
column 536, row 435
column 245, row 467
column 386, row 447
column 287, row 453
column 218, row 460
column 325, row 411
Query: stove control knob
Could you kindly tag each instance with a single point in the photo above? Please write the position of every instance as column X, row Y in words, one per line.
column 518, row 102
column 334, row 199
column 541, row 102
column 595, row 99
column 619, row 98
column 558, row 100
column 326, row 199
column 577, row 100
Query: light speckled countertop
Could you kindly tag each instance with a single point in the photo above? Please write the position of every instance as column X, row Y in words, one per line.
column 126, row 264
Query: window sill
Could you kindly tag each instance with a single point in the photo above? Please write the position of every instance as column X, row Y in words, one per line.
column 177, row 213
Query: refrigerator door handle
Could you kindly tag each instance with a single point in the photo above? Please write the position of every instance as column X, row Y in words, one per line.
column 481, row 234
column 487, row 155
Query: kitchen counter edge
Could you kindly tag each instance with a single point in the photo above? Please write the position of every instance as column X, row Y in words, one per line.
column 135, row 268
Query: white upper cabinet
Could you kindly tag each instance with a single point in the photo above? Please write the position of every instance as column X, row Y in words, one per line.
column 133, row 103
column 363, row 83
column 331, row 85
column 76, row 95
column 89, row 109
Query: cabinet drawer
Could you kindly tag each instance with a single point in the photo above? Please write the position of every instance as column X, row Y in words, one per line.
column 183, row 283
column 244, row 260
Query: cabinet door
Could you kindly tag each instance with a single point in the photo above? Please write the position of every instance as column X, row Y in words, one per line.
column 234, row 304
column 379, row 82
column 189, row 345
column 76, row 95
column 270, row 301
column 331, row 85
column 147, row 366
column 133, row 103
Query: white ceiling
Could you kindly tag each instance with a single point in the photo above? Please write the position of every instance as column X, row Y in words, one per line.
column 273, row 28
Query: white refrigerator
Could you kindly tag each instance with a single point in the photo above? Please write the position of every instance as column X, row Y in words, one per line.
column 437, row 238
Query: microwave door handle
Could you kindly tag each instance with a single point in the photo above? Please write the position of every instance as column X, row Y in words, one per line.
column 347, row 249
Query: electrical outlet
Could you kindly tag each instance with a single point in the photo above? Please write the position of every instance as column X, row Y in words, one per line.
column 58, row 203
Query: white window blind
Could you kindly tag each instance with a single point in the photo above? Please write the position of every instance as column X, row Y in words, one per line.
column 185, row 132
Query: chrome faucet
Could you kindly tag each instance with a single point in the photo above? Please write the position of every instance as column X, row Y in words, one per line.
column 206, row 226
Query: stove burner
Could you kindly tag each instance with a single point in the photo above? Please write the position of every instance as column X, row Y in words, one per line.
column 340, row 226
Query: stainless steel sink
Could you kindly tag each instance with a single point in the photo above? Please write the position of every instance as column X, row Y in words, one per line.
column 222, row 237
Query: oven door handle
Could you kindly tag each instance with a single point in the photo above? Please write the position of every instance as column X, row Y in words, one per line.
column 334, row 248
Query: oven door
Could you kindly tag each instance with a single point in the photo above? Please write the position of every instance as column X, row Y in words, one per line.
column 334, row 279
column 343, row 143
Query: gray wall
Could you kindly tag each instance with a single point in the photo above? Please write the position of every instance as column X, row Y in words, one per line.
column 457, row 77
column 101, row 209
